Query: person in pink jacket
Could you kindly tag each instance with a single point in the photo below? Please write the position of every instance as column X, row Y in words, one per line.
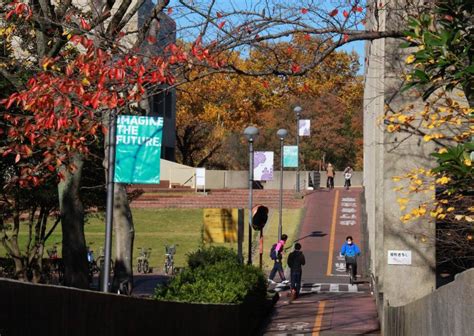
column 276, row 255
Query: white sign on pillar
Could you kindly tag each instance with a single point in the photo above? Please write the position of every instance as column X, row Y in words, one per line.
column 396, row 257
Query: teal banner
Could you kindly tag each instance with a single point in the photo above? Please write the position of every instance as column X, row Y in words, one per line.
column 138, row 149
column 290, row 156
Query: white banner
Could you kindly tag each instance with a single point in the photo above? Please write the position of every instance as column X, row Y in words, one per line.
column 263, row 166
column 200, row 176
column 304, row 127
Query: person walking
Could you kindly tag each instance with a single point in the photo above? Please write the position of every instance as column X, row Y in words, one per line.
column 330, row 176
column 347, row 176
column 350, row 251
column 276, row 254
column 295, row 261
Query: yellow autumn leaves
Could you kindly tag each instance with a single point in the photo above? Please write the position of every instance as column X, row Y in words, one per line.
column 422, row 180
column 410, row 59
column 443, row 180
column 440, row 119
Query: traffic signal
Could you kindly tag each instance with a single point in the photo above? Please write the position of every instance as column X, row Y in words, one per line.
column 259, row 217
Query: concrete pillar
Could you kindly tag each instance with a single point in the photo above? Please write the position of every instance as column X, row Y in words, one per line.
column 387, row 155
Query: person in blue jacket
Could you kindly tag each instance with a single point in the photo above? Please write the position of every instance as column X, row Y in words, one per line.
column 350, row 250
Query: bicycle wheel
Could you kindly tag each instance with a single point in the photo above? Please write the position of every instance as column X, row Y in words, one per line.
column 123, row 288
column 166, row 268
column 139, row 266
column 172, row 270
column 146, row 267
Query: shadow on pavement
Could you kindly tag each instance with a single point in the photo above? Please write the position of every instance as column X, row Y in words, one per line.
column 144, row 285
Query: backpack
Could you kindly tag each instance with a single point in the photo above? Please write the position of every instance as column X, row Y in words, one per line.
column 273, row 252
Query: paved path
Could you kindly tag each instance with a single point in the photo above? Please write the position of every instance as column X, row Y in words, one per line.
column 328, row 305
column 144, row 285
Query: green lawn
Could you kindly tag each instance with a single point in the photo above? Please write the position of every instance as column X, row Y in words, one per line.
column 156, row 228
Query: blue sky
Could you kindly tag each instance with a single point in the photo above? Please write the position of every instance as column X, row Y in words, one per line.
column 359, row 48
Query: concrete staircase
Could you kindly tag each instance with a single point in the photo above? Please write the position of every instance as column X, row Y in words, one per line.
column 227, row 198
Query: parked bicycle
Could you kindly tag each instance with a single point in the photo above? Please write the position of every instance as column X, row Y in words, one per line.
column 53, row 252
column 169, row 259
column 143, row 264
column 54, row 268
column 101, row 260
column 93, row 268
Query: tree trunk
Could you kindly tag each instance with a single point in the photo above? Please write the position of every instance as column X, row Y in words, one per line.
column 72, row 223
column 20, row 270
column 124, row 237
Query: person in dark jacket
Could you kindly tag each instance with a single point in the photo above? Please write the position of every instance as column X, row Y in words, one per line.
column 295, row 261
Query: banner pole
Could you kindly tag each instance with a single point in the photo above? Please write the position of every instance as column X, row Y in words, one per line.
column 110, row 202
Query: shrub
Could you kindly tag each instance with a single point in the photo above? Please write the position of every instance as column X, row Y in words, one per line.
column 211, row 256
column 215, row 277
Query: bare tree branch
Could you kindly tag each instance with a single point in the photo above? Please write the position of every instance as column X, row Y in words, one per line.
column 143, row 31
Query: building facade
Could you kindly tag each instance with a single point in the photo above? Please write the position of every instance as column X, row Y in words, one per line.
column 161, row 102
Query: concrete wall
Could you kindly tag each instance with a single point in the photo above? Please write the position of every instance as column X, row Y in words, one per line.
column 447, row 311
column 238, row 179
column 177, row 173
column 387, row 155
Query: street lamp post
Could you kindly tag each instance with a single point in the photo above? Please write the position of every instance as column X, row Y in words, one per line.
column 250, row 133
column 297, row 111
column 281, row 133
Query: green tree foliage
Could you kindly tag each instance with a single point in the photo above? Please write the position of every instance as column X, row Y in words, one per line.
column 444, row 39
column 456, row 164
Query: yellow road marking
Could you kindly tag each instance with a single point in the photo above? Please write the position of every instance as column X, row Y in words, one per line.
column 333, row 233
column 319, row 318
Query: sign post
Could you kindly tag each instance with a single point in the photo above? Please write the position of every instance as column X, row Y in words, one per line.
column 111, row 151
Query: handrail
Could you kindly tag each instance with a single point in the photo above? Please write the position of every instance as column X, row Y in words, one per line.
column 302, row 184
column 189, row 179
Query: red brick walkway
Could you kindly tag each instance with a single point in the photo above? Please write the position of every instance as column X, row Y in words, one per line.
column 328, row 305
column 228, row 198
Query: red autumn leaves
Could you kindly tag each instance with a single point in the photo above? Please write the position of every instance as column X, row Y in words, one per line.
column 59, row 113
column 346, row 13
column 19, row 9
